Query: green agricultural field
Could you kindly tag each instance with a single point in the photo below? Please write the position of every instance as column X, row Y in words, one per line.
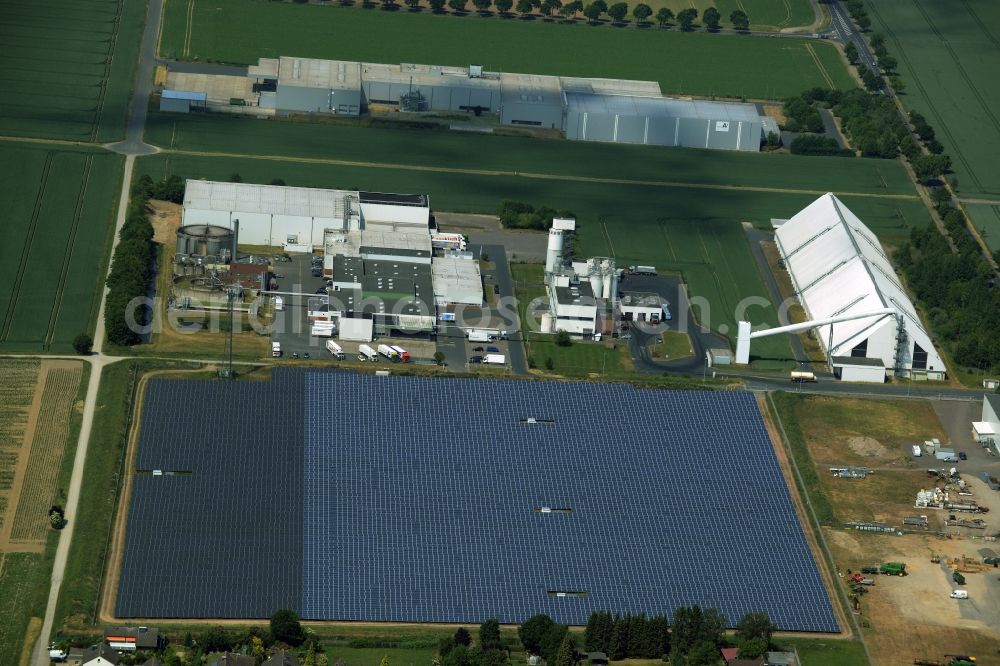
column 68, row 67
column 949, row 55
column 241, row 31
column 987, row 220
column 60, row 206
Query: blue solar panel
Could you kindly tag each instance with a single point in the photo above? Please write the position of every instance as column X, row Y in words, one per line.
column 354, row 497
column 420, row 498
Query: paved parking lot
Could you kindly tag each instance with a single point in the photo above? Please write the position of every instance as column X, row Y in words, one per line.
column 291, row 327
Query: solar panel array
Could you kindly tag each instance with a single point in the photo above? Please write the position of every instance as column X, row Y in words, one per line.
column 421, row 503
column 224, row 538
column 355, row 497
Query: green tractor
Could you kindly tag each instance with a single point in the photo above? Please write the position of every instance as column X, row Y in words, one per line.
column 893, row 569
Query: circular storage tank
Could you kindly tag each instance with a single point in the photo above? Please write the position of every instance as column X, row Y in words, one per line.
column 203, row 239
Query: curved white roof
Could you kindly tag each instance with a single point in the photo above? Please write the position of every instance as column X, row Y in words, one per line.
column 838, row 267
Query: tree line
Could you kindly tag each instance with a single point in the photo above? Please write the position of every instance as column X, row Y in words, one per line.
column 592, row 11
column 520, row 215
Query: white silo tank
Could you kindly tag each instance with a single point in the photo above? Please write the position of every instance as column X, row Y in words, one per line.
column 594, row 272
column 553, row 257
column 608, row 273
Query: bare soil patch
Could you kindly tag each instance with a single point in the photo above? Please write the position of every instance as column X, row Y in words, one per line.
column 868, row 447
column 166, row 220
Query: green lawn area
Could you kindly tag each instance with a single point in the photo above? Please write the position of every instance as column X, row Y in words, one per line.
column 464, row 151
column 673, row 345
column 241, row 31
column 353, row 656
column 59, row 213
column 947, row 53
column 68, row 67
column 826, row 652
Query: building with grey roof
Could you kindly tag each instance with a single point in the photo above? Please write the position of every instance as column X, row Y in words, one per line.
column 662, row 121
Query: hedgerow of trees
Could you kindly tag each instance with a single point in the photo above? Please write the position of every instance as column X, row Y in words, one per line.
column 628, row 636
column 520, row 215
column 489, row 650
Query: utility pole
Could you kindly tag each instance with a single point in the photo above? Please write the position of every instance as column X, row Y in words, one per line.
column 226, row 371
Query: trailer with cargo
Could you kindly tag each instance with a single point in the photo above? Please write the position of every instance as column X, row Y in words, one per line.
column 335, row 349
column 321, row 329
column 366, row 353
column 388, row 352
column 275, row 349
column 495, row 359
column 642, row 270
column 800, row 376
column 402, row 354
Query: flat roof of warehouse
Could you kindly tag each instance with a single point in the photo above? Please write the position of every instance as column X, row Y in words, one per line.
column 373, row 510
column 267, row 199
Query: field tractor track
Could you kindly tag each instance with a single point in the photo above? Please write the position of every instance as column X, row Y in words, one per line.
column 958, row 64
column 979, row 22
column 22, row 264
column 68, row 255
column 112, row 42
column 939, row 120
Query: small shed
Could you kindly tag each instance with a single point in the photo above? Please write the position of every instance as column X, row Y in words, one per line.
column 858, row 369
column 183, row 101
column 718, row 356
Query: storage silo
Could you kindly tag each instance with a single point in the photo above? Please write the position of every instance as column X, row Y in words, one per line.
column 594, row 273
column 203, row 240
column 608, row 275
column 553, row 257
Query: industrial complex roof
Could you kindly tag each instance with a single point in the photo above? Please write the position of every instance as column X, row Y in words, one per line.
column 431, row 75
column 838, row 267
column 857, row 360
column 661, row 106
column 457, row 280
column 580, row 294
column 312, row 73
column 535, row 88
column 572, row 84
column 267, row 199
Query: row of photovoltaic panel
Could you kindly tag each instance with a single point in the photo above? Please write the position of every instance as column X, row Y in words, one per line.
column 226, row 539
column 419, row 495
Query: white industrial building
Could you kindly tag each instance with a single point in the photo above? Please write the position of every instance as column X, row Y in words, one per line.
column 641, row 306
column 377, row 249
column 840, row 272
column 987, row 429
column 585, row 109
column 457, row 279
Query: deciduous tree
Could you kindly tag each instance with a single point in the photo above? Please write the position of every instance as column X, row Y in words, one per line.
column 740, row 20
column 686, row 18
column 664, row 16
column 641, row 12
column 711, row 18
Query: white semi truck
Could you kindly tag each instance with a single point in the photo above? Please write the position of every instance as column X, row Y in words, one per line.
column 495, row 359
column 275, row 349
column 335, row 349
column 388, row 352
column 366, row 353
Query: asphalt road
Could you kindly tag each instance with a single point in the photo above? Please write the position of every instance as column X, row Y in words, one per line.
column 846, row 32
column 502, row 278
column 143, row 86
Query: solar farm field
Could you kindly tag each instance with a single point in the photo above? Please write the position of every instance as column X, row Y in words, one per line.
column 949, row 55
column 357, row 514
column 241, row 31
column 68, row 67
column 59, row 208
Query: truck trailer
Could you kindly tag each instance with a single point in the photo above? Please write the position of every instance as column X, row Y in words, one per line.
column 404, row 356
column 495, row 359
column 335, row 349
column 275, row 349
column 366, row 353
column 388, row 352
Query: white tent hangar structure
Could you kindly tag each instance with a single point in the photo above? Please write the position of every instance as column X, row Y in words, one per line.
column 863, row 318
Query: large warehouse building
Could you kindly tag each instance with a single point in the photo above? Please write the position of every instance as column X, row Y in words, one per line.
column 838, row 269
column 609, row 110
column 376, row 246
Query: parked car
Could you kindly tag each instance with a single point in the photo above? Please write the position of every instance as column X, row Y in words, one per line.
column 317, row 272
column 321, row 290
column 496, row 289
column 492, row 349
column 477, row 349
column 475, row 359
column 305, row 354
column 962, row 456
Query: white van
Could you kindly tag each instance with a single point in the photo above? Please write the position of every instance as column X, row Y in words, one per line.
column 279, row 303
column 959, row 594
column 917, row 451
column 275, row 349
